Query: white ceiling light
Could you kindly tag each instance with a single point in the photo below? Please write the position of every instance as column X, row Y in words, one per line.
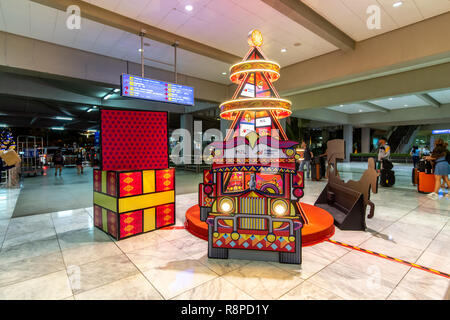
column 390, row 99
column 283, row 50
column 140, row 50
column 58, row 128
column 189, row 7
column 397, row 4
column 405, row 105
column 360, row 110
column 224, row 73
column 341, row 105
column 64, row 118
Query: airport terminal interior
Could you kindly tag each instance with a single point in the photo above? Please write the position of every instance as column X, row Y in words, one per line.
column 224, row 150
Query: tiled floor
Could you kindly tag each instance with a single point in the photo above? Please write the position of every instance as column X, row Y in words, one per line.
column 59, row 255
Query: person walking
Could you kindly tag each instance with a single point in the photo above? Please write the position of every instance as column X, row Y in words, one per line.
column 58, row 161
column 307, row 156
column 79, row 157
column 439, row 156
column 415, row 154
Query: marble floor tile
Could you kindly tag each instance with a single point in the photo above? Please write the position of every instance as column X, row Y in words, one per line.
column 29, row 250
column 263, row 280
column 191, row 245
column 434, row 261
column 18, row 271
column 441, row 204
column 81, row 237
column 311, row 264
column 179, row 276
column 309, row 291
column 157, row 253
column 100, row 272
column 54, row 286
column 135, row 287
column 371, row 265
column 440, row 245
column 401, row 233
column 327, row 250
column 350, row 283
column 18, row 239
column 351, row 237
column 219, row 266
column 65, row 221
column 79, row 255
column 216, row 289
column 173, row 234
column 138, row 242
column 425, row 283
column 90, row 211
column 405, row 294
column 391, row 248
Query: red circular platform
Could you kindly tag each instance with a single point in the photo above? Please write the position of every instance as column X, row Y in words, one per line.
column 320, row 225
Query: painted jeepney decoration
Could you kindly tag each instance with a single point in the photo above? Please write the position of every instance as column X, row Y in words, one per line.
column 249, row 198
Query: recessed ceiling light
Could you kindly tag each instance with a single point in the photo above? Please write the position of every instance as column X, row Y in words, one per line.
column 189, row 7
column 341, row 105
column 283, row 50
column 224, row 73
column 360, row 110
column 397, row 4
column 390, row 99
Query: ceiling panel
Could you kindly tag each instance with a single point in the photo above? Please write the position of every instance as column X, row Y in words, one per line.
column 351, row 15
column 16, row 15
column 352, row 108
column 432, row 8
column 405, row 14
column 88, row 34
column 410, row 101
column 42, row 21
column 63, row 35
column 443, row 96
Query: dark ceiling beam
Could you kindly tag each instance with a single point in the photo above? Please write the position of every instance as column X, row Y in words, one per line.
column 118, row 21
column 429, row 100
column 314, row 22
column 374, row 106
column 34, row 120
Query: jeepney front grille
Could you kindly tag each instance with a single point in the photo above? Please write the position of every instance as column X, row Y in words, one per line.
column 252, row 206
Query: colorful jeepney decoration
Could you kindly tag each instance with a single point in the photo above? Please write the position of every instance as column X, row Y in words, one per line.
column 249, row 198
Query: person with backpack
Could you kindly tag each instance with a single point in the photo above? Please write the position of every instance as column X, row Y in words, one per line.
column 440, row 157
column 58, row 161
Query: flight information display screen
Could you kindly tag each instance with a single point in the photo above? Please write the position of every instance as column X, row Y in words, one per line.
column 149, row 89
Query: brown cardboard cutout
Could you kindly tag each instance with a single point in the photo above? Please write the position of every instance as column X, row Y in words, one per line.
column 368, row 181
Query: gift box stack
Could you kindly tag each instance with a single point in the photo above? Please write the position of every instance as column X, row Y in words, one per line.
column 129, row 202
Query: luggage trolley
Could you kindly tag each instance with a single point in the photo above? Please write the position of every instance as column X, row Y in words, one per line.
column 29, row 149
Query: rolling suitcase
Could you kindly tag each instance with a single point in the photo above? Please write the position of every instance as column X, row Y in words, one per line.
column 415, row 176
column 315, row 169
column 387, row 178
column 426, row 183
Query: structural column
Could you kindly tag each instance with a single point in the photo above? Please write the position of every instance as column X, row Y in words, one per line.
column 348, row 137
column 187, row 123
column 365, row 140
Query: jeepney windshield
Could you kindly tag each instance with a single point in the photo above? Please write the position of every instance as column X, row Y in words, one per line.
column 237, row 182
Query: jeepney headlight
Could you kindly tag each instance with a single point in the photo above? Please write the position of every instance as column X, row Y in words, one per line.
column 226, row 205
column 279, row 207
